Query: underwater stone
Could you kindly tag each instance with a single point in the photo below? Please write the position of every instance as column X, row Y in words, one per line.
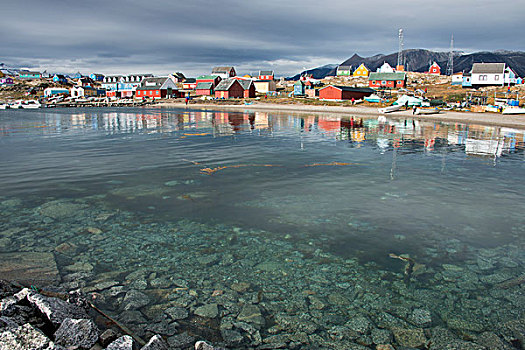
column 29, row 268
column 232, row 337
column 414, row 338
column 207, row 311
column 60, row 209
column 177, row 313
column 82, row 333
column 421, row 318
column 182, row 340
column 381, row 336
column 135, row 300
column 108, row 336
column 251, row 314
column 240, row 287
column 359, row 324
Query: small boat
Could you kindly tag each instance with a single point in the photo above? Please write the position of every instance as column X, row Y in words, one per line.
column 248, row 103
column 513, row 110
column 389, row 109
column 373, row 98
column 4, row 106
column 31, row 104
column 425, row 111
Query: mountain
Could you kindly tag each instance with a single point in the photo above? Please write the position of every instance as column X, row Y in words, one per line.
column 418, row 60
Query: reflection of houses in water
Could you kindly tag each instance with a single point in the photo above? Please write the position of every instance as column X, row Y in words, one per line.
column 484, row 147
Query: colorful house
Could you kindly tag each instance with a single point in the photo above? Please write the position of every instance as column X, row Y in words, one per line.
column 85, row 81
column 299, row 88
column 6, row 81
column 266, row 75
column 189, row 84
column 29, row 75
column 361, row 71
column 229, row 88
column 215, row 79
column 434, row 69
column 467, row 80
column 387, row 80
column 334, row 92
column 488, row 74
column 204, row 89
column 224, row 72
column 135, row 78
column 112, row 79
column 97, row 77
column 59, row 78
column 249, row 88
column 55, row 91
column 457, row 78
column 83, row 91
column 386, row 68
column 264, row 86
column 344, row 71
column 156, row 88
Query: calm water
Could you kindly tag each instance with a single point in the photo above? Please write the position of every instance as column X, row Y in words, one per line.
column 295, row 217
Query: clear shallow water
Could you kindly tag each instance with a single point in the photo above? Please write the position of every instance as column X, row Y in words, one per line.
column 287, row 236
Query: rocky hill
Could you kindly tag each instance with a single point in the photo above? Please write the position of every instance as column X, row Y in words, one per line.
column 418, row 60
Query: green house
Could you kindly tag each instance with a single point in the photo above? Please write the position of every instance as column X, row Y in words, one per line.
column 29, row 75
column 344, row 71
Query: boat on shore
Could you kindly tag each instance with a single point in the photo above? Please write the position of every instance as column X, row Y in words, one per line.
column 26, row 104
column 389, row 109
column 427, row 111
column 513, row 110
column 4, row 106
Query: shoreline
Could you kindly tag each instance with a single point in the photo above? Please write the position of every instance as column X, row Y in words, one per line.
column 492, row 119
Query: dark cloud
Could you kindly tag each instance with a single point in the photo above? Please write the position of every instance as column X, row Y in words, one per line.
column 160, row 36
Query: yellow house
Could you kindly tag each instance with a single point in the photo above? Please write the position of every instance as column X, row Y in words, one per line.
column 361, row 71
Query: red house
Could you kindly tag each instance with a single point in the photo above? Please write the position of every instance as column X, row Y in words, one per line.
column 334, row 92
column 266, row 75
column 249, row 88
column 387, row 80
column 205, row 89
column 434, row 69
column 157, row 88
column 214, row 79
column 229, row 88
column 189, row 84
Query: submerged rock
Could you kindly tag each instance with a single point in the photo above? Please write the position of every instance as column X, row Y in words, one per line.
column 414, row 338
column 251, row 314
column 207, row 311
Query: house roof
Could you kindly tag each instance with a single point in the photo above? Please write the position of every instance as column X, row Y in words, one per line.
column 387, row 76
column 351, row 88
column 226, row 84
column 344, row 67
column 190, row 80
column 204, row 86
column 488, row 68
column 178, row 75
column 26, row 72
column 266, row 72
column 245, row 83
column 363, row 65
column 221, row 69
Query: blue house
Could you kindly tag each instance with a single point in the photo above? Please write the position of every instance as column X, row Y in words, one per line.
column 77, row 75
column 467, row 80
column 29, row 75
column 299, row 88
column 97, row 77
column 519, row 81
column 59, row 78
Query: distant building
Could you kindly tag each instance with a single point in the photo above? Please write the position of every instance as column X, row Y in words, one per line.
column 59, row 78
column 344, row 71
column 156, row 88
column 215, row 79
column 83, row 91
column 248, row 87
column 6, row 81
column 136, row 78
column 334, row 92
column 299, row 88
column 467, row 80
column 112, row 78
column 85, row 81
column 492, row 74
column 97, row 77
column 387, row 80
column 229, row 88
column 55, row 91
column 177, row 77
column 386, row 68
column 434, row 69
column 204, row 89
column 361, row 71
column 224, row 72
column 266, row 75
column 29, row 75
column 457, row 78
column 189, row 84
column 264, row 86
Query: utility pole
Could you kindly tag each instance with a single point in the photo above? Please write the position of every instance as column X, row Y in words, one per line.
column 400, row 61
column 450, row 63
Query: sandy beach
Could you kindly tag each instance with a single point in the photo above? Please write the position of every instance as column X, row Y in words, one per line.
column 514, row 121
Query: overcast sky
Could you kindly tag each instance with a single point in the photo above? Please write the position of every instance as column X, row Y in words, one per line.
column 163, row 36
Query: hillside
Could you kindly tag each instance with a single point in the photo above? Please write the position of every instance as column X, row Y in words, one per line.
column 418, row 60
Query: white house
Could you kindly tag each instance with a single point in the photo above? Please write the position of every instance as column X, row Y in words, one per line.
column 55, row 91
column 457, row 78
column 492, row 74
column 386, row 68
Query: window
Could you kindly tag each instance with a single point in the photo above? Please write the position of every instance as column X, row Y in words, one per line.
column 496, row 77
column 157, row 92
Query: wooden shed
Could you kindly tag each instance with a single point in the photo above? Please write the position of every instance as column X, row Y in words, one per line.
column 334, row 92
column 204, row 89
column 387, row 80
column 229, row 88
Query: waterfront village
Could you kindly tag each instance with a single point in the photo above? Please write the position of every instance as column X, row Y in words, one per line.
column 488, row 87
